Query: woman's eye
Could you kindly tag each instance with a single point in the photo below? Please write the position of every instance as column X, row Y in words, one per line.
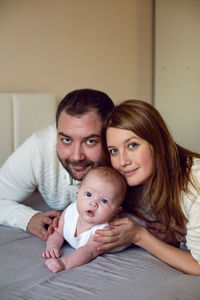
column 133, row 145
column 112, row 151
column 104, row 201
column 88, row 194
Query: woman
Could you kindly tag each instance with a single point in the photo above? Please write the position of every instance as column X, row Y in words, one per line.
column 163, row 180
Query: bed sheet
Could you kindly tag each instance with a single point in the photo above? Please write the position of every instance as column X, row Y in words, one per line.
column 132, row 274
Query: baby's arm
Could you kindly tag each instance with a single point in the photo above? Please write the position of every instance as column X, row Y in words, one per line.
column 79, row 257
column 55, row 241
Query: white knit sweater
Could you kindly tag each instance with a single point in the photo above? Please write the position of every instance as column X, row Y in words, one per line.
column 34, row 165
column 191, row 210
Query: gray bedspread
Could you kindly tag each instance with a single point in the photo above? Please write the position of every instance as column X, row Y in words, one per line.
column 132, row 274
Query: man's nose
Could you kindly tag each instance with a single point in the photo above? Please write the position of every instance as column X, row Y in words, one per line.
column 77, row 153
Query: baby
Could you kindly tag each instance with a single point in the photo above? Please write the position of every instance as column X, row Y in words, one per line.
column 99, row 199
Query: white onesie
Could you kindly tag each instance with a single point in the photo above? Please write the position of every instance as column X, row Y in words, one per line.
column 69, row 229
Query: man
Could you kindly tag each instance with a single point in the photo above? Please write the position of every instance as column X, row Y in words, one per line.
column 54, row 161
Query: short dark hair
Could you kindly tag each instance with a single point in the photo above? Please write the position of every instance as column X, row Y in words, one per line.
column 80, row 102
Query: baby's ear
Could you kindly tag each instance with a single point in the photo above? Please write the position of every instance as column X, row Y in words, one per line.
column 118, row 210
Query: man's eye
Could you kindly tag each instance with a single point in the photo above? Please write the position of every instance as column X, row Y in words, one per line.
column 104, row 201
column 66, row 141
column 88, row 194
column 91, row 142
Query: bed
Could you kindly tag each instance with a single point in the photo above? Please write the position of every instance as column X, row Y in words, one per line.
column 132, row 274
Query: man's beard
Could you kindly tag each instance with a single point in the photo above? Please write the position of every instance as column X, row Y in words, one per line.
column 67, row 164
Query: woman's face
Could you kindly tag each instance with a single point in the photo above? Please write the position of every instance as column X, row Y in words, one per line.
column 131, row 155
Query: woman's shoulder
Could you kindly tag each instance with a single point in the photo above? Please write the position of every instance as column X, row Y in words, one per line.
column 191, row 198
column 196, row 162
column 196, row 168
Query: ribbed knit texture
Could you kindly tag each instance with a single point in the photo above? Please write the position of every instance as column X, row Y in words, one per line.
column 34, row 165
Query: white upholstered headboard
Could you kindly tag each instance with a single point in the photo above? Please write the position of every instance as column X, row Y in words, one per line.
column 20, row 115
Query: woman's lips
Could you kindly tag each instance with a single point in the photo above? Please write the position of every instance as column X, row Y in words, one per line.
column 130, row 173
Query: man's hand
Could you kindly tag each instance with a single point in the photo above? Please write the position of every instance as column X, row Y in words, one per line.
column 38, row 223
column 51, row 227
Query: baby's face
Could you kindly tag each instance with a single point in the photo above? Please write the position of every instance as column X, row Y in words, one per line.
column 98, row 200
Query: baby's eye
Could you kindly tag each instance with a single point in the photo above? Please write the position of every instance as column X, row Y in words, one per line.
column 88, row 194
column 104, row 201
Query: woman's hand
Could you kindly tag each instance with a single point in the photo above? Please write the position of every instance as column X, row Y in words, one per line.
column 125, row 231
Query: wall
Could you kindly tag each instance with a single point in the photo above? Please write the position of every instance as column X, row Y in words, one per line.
column 57, row 46
column 177, row 71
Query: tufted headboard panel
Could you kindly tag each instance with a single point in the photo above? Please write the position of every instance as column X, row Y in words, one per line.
column 20, row 115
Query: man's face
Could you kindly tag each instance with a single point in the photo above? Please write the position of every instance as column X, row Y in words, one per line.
column 78, row 142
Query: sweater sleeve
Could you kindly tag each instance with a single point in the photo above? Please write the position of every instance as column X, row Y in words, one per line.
column 191, row 209
column 17, row 181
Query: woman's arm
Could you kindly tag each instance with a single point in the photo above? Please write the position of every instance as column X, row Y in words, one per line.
column 128, row 231
column 169, row 254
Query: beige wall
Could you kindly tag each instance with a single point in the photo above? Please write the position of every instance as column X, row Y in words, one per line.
column 177, row 80
column 57, row 46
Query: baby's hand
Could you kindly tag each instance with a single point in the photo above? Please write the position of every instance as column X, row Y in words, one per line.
column 55, row 265
column 52, row 253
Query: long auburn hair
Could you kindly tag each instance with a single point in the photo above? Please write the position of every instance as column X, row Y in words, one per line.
column 172, row 163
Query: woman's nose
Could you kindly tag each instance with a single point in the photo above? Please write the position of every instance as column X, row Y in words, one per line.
column 124, row 160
